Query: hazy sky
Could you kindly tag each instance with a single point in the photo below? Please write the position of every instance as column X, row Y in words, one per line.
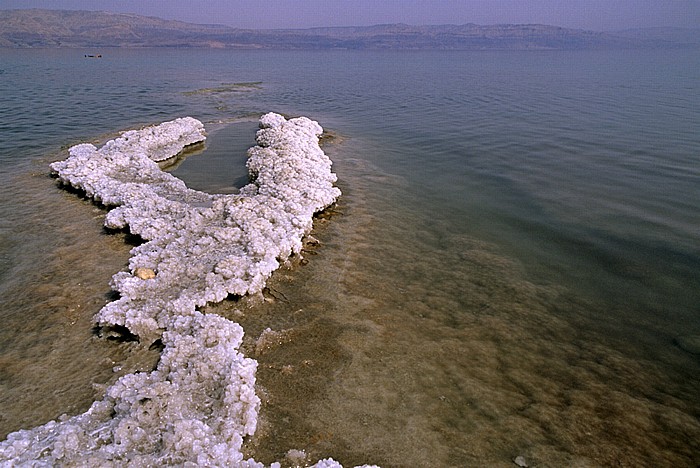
column 586, row 14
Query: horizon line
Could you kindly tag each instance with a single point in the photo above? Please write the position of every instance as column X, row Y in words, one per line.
column 352, row 26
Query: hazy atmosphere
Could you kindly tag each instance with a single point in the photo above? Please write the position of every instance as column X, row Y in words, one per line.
column 597, row 15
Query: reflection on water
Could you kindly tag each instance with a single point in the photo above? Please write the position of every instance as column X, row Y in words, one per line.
column 221, row 168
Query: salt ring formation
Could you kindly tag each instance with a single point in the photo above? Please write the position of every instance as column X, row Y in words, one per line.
column 200, row 401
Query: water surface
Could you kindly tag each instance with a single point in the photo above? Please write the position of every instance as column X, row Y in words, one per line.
column 512, row 269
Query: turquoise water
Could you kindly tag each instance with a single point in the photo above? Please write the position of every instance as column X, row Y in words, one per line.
column 514, row 268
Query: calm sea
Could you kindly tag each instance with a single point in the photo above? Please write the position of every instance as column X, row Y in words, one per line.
column 513, row 269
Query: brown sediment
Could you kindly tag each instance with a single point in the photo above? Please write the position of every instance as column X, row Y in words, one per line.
column 227, row 88
column 406, row 344
column 51, row 360
column 330, row 137
column 394, row 340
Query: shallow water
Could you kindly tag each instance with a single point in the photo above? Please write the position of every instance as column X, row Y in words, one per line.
column 221, row 168
column 471, row 367
column 512, row 269
column 52, row 361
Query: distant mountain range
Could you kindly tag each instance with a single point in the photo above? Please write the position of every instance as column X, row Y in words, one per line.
column 90, row 29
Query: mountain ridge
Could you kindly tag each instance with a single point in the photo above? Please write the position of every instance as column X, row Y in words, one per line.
column 90, row 29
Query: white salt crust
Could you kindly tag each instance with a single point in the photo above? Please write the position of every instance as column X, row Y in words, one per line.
column 200, row 402
column 202, row 247
column 195, row 407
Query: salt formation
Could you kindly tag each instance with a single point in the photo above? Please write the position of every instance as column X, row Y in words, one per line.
column 162, row 141
column 196, row 406
column 202, row 247
column 199, row 403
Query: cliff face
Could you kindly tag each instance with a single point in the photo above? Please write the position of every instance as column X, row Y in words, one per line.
column 54, row 28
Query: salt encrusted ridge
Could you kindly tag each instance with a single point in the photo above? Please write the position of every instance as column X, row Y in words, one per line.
column 196, row 406
column 200, row 402
column 202, row 247
column 160, row 142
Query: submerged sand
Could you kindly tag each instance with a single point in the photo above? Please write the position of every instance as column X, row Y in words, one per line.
column 399, row 341
column 199, row 402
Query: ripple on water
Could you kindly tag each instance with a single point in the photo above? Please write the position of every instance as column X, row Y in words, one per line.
column 404, row 342
column 396, row 338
